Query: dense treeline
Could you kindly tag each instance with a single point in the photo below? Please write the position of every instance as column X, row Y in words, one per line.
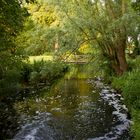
column 108, row 30
column 107, row 24
column 15, row 72
column 12, row 17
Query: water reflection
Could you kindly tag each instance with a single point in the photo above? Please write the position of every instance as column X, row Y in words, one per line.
column 69, row 111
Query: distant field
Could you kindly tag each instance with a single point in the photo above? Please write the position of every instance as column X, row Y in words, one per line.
column 71, row 59
column 39, row 58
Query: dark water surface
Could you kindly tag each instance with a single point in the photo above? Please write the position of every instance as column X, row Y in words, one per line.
column 73, row 110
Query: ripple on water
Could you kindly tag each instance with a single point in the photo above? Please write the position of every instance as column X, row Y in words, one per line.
column 83, row 114
column 120, row 111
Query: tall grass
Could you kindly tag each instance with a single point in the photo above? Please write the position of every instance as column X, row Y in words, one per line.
column 129, row 84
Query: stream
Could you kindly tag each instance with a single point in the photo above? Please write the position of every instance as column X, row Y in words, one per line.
column 77, row 107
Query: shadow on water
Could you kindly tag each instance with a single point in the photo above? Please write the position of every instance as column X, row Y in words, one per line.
column 72, row 110
column 8, row 120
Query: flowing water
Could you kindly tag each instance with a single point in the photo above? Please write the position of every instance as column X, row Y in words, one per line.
column 76, row 108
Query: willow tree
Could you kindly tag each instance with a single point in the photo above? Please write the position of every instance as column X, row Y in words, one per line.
column 108, row 23
column 115, row 34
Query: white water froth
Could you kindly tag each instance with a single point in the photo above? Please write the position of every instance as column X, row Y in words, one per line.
column 120, row 111
column 37, row 129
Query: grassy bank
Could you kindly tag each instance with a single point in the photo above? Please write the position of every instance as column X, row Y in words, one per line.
column 22, row 83
column 129, row 85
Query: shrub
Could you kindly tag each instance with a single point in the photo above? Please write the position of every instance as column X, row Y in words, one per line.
column 9, row 83
column 42, row 72
column 131, row 89
column 129, row 84
column 136, row 126
column 25, row 72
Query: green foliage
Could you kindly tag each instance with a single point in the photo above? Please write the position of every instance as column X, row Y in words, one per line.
column 10, row 83
column 105, row 67
column 39, row 35
column 12, row 17
column 130, row 87
column 42, row 72
column 136, row 6
column 11, row 20
column 136, row 126
column 25, row 72
column 104, row 24
column 129, row 84
column 41, row 13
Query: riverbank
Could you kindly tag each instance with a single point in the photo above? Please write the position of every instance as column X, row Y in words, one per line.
column 33, row 78
column 74, row 109
column 129, row 85
column 71, row 109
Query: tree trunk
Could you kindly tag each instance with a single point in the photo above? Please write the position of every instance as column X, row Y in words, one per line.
column 116, row 68
column 122, row 60
column 120, row 55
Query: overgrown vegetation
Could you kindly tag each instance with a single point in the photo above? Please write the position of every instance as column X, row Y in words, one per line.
column 104, row 24
column 129, row 85
column 108, row 29
column 42, row 72
column 36, row 74
column 14, row 21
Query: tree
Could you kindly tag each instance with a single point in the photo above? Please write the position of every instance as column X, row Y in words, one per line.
column 40, row 26
column 12, row 16
column 136, row 35
column 108, row 23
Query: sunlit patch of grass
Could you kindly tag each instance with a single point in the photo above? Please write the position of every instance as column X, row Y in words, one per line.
column 41, row 57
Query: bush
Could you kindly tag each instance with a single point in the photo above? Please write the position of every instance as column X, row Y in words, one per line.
column 42, row 72
column 25, row 72
column 25, row 75
column 9, row 83
column 136, row 126
column 129, row 84
column 131, row 89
